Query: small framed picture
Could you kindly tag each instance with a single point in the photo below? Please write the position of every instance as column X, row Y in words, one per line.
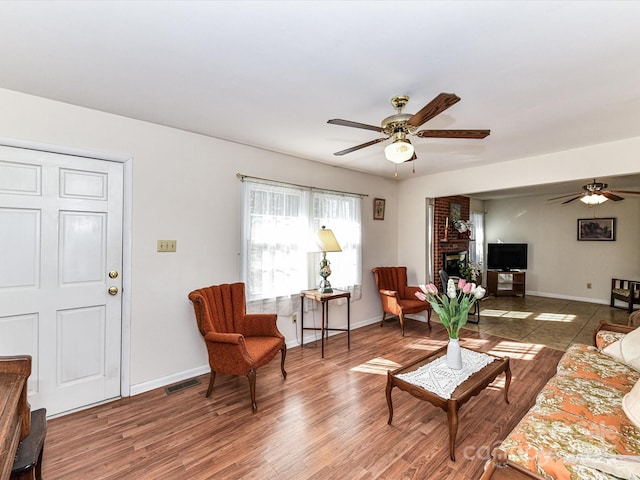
column 597, row 229
column 378, row 208
column 455, row 210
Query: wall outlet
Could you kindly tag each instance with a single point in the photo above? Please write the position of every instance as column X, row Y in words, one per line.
column 167, row 245
column 588, row 285
column 294, row 317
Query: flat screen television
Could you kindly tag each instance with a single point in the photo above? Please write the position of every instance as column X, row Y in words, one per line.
column 507, row 256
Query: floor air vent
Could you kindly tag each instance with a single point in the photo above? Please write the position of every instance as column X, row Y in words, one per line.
column 181, row 386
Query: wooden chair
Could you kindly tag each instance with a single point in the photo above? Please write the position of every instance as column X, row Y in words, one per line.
column 398, row 298
column 238, row 343
column 627, row 291
column 475, row 310
column 27, row 464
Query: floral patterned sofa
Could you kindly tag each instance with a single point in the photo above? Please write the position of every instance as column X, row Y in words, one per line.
column 585, row 422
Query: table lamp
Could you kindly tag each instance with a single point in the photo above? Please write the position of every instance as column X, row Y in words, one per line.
column 327, row 242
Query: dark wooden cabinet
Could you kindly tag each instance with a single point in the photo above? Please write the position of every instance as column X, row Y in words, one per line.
column 506, row 283
column 15, row 417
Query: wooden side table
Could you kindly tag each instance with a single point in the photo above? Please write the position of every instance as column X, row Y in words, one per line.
column 324, row 299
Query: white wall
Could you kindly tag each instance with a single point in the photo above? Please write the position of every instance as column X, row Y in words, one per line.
column 616, row 158
column 559, row 264
column 185, row 188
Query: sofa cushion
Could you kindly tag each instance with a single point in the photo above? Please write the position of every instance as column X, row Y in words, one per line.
column 604, row 338
column 578, row 412
column 588, row 362
column 631, row 405
column 588, row 399
column 545, row 440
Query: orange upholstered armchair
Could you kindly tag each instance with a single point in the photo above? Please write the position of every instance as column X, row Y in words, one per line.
column 398, row 298
column 238, row 343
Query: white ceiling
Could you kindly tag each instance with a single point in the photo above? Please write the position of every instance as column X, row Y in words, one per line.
column 542, row 76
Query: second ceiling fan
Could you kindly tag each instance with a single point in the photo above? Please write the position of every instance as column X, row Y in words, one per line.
column 595, row 193
column 401, row 125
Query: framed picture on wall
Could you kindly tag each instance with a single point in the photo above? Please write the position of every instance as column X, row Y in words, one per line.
column 455, row 210
column 597, row 229
column 378, row 208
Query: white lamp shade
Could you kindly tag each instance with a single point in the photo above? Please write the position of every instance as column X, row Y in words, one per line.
column 399, row 151
column 326, row 241
column 594, row 199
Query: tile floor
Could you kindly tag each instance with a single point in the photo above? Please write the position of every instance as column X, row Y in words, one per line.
column 549, row 321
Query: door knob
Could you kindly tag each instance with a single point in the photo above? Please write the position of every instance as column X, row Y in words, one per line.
column 113, row 274
column 113, row 290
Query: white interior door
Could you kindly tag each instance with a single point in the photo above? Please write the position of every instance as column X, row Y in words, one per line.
column 60, row 237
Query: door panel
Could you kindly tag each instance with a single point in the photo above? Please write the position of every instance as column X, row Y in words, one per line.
column 80, row 335
column 82, row 253
column 60, row 235
column 19, row 333
column 20, row 239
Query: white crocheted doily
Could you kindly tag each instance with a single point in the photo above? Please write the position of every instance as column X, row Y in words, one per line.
column 442, row 380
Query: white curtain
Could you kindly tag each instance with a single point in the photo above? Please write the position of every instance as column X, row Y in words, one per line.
column 341, row 214
column 476, row 249
column 279, row 257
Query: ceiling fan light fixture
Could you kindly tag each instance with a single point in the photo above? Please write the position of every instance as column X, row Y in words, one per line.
column 399, row 151
column 593, row 199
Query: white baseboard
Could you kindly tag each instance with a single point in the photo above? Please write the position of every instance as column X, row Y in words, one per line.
column 599, row 301
column 168, row 380
column 194, row 372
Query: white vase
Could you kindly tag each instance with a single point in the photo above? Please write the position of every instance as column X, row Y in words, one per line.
column 454, row 355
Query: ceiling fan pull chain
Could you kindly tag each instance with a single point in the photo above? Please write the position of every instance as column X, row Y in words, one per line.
column 396, row 174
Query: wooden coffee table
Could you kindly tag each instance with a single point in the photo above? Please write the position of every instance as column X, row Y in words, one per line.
column 462, row 394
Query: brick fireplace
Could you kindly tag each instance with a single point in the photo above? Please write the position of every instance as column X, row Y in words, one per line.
column 452, row 241
column 451, row 262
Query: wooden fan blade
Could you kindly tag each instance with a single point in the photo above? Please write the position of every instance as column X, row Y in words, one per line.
column 348, row 123
column 433, row 108
column 563, row 196
column 572, row 199
column 358, row 147
column 626, row 191
column 453, row 133
column 611, row 196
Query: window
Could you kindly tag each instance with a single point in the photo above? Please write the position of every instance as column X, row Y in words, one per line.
column 476, row 245
column 279, row 256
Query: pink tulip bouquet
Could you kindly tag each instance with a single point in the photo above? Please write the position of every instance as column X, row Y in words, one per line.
column 453, row 306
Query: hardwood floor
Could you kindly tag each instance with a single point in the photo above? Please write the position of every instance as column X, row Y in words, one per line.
column 327, row 420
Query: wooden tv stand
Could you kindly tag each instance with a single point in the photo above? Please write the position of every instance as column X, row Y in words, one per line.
column 506, row 283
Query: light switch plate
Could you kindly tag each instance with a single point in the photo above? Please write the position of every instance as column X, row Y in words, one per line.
column 167, row 245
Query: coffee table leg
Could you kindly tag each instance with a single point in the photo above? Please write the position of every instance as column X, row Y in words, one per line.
column 452, row 417
column 507, row 382
column 388, row 391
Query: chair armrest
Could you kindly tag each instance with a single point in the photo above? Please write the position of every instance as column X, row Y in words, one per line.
column 228, row 353
column 260, row 325
column 611, row 327
column 624, row 284
column 499, row 467
column 234, row 338
column 389, row 293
